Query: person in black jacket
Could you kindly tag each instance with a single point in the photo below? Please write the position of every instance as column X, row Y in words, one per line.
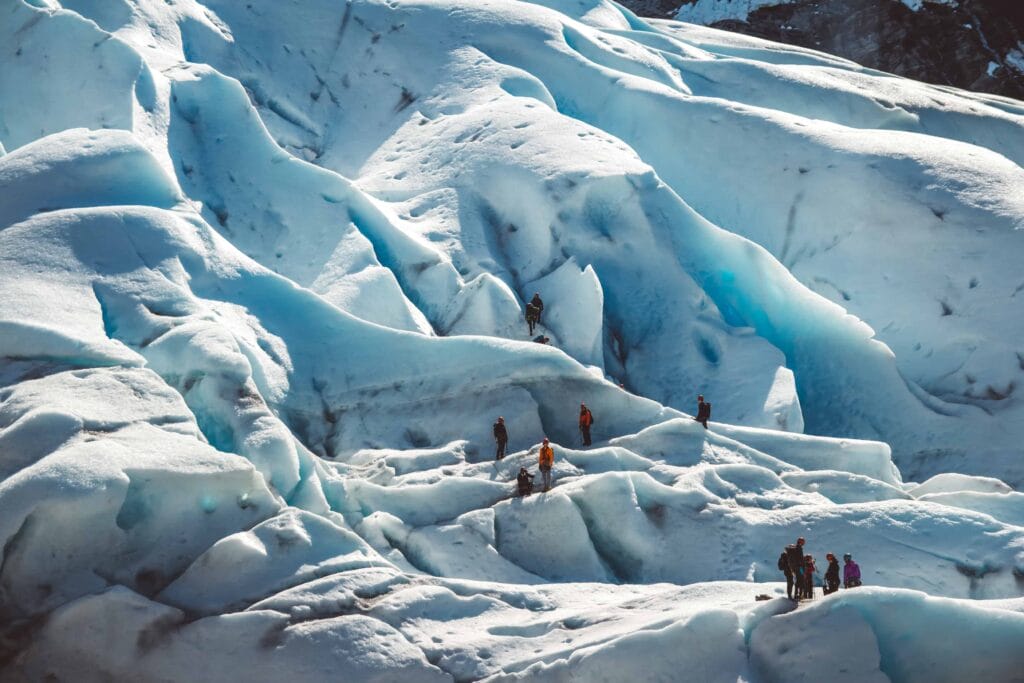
column 703, row 411
column 784, row 568
column 538, row 304
column 795, row 560
column 831, row 574
column 500, row 437
column 532, row 316
column 525, row 481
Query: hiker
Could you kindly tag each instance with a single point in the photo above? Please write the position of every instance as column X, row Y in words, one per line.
column 831, row 575
column 794, row 554
column 541, row 339
column 783, row 565
column 851, row 572
column 586, row 422
column 525, row 481
column 703, row 411
column 532, row 316
column 500, row 437
column 546, row 458
column 809, row 572
column 538, row 304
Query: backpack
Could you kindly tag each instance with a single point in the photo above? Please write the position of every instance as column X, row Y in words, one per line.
column 783, row 565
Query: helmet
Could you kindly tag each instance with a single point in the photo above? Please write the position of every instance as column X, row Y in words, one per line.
column 847, row 556
column 545, row 439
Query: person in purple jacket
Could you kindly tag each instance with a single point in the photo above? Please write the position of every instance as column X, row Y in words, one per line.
column 851, row 572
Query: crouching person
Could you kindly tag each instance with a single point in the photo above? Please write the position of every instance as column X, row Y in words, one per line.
column 525, row 481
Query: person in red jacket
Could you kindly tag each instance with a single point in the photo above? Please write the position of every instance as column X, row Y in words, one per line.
column 586, row 422
column 703, row 411
column 809, row 571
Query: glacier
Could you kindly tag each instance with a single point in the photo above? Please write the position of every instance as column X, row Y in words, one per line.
column 263, row 269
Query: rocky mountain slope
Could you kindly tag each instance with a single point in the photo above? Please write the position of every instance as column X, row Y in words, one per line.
column 972, row 44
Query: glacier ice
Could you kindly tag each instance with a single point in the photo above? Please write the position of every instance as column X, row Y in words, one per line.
column 262, row 276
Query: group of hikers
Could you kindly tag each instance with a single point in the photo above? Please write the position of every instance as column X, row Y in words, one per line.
column 546, row 454
column 800, row 570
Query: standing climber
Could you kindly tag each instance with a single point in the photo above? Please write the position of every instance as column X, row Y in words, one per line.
column 500, row 437
column 703, row 411
column 586, row 422
column 795, row 561
column 538, row 304
column 532, row 316
column 784, row 568
column 525, row 481
column 831, row 574
column 809, row 572
column 851, row 572
column 546, row 458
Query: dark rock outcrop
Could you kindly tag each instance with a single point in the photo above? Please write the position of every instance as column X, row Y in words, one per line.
column 972, row 44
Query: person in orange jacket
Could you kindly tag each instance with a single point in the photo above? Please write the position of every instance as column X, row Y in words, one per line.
column 546, row 458
column 586, row 420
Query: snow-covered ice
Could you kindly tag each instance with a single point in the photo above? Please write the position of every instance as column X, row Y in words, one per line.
column 263, row 270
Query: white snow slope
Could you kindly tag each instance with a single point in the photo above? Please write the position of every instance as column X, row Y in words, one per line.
column 263, row 268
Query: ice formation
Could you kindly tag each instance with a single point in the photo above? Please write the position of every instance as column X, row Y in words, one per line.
column 263, row 269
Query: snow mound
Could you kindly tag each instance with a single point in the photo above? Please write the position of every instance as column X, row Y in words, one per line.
column 951, row 482
column 885, row 637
